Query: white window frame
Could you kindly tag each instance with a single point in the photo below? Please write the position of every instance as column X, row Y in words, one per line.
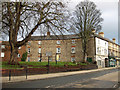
column 105, row 51
column 39, row 50
column 39, row 42
column 99, row 50
column 58, row 50
column 2, row 46
column 39, row 58
column 72, row 50
column 28, row 59
column 58, row 42
column 28, row 50
column 2, row 54
column 19, row 48
column 72, row 59
column 99, row 63
column 73, row 41
column 18, row 55
column 105, row 44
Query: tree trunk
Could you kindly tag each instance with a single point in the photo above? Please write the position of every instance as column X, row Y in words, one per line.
column 13, row 56
column 84, row 57
column 84, row 50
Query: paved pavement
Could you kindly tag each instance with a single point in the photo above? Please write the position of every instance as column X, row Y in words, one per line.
column 51, row 75
column 106, row 78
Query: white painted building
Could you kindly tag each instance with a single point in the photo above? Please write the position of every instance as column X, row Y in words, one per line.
column 101, row 52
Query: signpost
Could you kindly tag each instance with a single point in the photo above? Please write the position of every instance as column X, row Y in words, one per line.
column 48, row 54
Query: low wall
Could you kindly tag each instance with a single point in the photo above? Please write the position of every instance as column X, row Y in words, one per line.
column 43, row 70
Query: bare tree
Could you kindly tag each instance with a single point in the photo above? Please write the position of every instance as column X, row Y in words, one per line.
column 86, row 18
column 22, row 19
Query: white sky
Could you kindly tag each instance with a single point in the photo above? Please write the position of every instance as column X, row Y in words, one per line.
column 109, row 9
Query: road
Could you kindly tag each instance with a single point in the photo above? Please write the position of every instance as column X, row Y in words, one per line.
column 99, row 79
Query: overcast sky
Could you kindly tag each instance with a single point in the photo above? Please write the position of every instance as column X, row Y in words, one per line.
column 109, row 9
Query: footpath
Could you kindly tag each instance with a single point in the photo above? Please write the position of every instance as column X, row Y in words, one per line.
column 50, row 75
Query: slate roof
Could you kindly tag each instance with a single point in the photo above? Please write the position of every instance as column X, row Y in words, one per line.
column 106, row 39
column 54, row 37
column 65, row 37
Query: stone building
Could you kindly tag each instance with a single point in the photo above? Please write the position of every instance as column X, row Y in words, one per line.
column 62, row 48
column 68, row 48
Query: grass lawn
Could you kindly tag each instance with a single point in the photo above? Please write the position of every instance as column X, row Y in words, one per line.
column 5, row 66
column 36, row 64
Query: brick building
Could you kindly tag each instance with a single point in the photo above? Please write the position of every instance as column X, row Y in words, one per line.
column 5, row 51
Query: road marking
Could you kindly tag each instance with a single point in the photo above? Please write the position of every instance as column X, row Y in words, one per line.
column 115, row 86
column 49, row 86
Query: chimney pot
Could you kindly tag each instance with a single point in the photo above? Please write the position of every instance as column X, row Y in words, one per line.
column 48, row 33
column 93, row 30
column 101, row 34
column 114, row 40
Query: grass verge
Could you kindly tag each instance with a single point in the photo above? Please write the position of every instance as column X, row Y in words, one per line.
column 4, row 65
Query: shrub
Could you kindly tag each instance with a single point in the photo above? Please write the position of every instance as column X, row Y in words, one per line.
column 24, row 56
column 94, row 62
column 74, row 61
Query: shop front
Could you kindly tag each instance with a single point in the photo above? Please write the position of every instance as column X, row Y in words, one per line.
column 118, row 61
column 112, row 62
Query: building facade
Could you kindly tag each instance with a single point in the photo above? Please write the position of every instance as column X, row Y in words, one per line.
column 67, row 48
column 110, row 51
column 101, row 51
column 5, row 51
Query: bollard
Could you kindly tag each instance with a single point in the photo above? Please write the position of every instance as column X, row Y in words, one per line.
column 9, row 75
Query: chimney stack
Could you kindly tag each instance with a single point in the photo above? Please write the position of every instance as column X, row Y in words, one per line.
column 114, row 40
column 93, row 30
column 48, row 33
column 101, row 34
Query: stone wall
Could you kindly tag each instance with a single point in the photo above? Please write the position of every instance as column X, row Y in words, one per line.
column 51, row 45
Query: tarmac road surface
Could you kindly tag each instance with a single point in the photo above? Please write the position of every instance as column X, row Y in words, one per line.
column 99, row 79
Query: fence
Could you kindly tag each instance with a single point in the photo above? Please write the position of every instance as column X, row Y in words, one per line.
column 44, row 69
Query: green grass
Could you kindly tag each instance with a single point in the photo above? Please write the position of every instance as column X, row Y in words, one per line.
column 82, row 63
column 36, row 67
column 46, row 63
column 4, row 65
